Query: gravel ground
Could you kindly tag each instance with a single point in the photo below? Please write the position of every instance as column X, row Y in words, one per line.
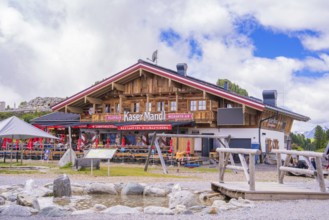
column 298, row 209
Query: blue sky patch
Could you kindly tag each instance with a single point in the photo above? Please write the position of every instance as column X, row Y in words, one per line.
column 271, row 44
column 310, row 74
column 195, row 49
column 169, row 36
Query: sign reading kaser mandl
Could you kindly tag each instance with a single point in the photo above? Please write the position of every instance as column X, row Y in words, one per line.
column 146, row 116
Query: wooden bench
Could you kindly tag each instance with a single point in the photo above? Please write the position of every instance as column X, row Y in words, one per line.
column 86, row 162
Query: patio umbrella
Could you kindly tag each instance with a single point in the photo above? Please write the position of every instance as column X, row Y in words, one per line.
column 4, row 143
column 16, row 128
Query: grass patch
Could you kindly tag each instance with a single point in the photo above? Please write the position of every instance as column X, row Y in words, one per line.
column 9, row 171
column 117, row 171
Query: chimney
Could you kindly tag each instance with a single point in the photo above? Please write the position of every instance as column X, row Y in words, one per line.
column 270, row 97
column 226, row 85
column 181, row 69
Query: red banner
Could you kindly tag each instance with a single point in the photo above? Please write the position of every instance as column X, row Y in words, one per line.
column 179, row 116
column 101, row 126
column 145, row 127
column 112, row 117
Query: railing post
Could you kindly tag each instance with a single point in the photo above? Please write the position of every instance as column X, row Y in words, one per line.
column 252, row 172
column 278, row 165
column 319, row 174
column 221, row 167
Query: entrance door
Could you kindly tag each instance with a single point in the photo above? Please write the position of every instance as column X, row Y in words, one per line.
column 207, row 145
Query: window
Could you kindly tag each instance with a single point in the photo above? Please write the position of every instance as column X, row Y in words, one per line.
column 202, row 105
column 228, row 105
column 173, row 106
column 108, row 108
column 193, row 105
column 160, row 106
column 136, row 107
column 149, row 107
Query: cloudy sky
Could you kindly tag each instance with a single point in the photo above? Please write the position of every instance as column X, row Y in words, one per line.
column 57, row 48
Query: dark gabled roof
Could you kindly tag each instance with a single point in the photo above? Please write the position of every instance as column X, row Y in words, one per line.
column 188, row 80
column 57, row 117
column 294, row 115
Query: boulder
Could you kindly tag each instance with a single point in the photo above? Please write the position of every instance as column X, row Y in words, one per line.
column 223, row 206
column 10, row 196
column 29, row 186
column 83, row 212
column 62, row 186
column 155, row 191
column 180, row 209
column 24, row 199
column 99, row 207
column 176, row 188
column 101, row 188
column 157, row 210
column 2, row 200
column 16, row 210
column 119, row 209
column 53, row 211
column 132, row 189
column 42, row 202
column 242, row 203
column 183, row 197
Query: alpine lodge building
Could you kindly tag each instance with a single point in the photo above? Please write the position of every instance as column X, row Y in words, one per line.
column 145, row 98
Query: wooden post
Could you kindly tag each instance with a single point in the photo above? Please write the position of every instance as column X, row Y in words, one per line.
column 282, row 173
column 149, row 153
column 221, row 167
column 108, row 167
column 252, row 172
column 245, row 166
column 278, row 165
column 91, row 167
column 320, row 174
column 164, row 168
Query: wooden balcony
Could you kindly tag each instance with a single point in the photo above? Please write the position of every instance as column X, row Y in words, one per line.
column 198, row 116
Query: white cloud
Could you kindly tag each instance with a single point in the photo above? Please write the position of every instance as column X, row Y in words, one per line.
column 58, row 48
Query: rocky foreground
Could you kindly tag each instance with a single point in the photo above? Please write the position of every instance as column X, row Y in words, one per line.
column 54, row 199
column 24, row 198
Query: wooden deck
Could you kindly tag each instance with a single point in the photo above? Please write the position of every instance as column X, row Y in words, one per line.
column 268, row 191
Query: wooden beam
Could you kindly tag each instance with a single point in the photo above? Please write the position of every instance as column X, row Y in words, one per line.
column 94, row 100
column 75, row 109
column 204, row 94
column 118, row 87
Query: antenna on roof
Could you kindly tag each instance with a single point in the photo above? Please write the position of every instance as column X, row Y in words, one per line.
column 154, row 57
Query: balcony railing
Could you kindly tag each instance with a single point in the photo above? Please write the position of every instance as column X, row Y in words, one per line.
column 151, row 116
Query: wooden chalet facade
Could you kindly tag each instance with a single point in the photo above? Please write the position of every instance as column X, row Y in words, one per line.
column 145, row 98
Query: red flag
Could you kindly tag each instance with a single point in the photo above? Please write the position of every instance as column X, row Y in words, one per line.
column 96, row 142
column 62, row 138
column 170, row 149
column 188, row 148
column 30, row 144
column 123, row 141
column 40, row 142
column 108, row 142
column 4, row 143
column 17, row 144
column 79, row 144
